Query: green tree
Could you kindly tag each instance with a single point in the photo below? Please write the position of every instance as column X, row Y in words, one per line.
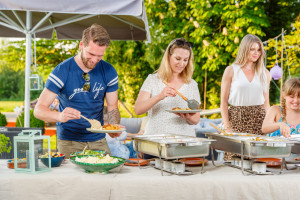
column 49, row 53
column 281, row 14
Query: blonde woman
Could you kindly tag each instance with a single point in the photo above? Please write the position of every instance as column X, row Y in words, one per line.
column 155, row 97
column 245, row 86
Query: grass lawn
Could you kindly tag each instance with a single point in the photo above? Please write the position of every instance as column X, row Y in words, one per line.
column 9, row 106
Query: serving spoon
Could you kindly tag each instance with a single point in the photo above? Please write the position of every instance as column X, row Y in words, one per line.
column 192, row 103
column 95, row 124
column 218, row 128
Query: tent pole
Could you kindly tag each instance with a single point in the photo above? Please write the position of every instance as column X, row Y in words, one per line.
column 27, row 70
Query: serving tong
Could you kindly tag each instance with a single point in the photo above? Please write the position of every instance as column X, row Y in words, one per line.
column 192, row 103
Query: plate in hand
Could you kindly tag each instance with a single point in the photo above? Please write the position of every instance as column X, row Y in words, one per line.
column 105, row 131
column 184, row 111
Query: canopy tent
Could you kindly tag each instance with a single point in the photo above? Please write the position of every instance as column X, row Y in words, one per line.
column 123, row 19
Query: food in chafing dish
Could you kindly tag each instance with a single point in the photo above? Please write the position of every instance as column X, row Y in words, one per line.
column 97, row 159
column 111, row 127
column 264, row 139
column 236, row 134
column 178, row 108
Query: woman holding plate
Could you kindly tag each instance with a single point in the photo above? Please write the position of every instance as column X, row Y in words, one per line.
column 156, row 98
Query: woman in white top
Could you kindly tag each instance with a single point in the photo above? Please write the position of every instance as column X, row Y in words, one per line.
column 155, row 97
column 245, row 86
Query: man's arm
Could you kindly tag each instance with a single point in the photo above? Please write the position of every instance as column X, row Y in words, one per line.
column 43, row 112
column 113, row 113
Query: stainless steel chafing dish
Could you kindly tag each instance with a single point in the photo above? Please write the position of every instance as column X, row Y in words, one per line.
column 252, row 146
column 296, row 140
column 172, row 146
column 247, row 145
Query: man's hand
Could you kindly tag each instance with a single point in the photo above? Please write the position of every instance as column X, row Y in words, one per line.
column 114, row 135
column 69, row 114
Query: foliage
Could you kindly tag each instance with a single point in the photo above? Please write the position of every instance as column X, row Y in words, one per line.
column 132, row 71
column 292, row 52
column 34, row 122
column 291, row 56
column 11, row 83
column 216, row 28
column 3, row 121
column 5, row 144
column 281, row 14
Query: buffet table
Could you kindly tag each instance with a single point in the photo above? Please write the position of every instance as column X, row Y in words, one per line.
column 70, row 182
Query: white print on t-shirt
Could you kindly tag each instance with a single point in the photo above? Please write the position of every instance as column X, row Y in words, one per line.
column 97, row 87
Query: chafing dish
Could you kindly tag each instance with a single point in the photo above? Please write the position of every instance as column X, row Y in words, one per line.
column 172, row 146
column 296, row 147
column 252, row 146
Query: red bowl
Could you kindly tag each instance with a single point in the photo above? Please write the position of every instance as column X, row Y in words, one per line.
column 193, row 161
column 11, row 164
column 142, row 162
column 271, row 162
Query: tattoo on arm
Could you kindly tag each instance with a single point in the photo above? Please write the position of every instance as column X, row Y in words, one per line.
column 113, row 117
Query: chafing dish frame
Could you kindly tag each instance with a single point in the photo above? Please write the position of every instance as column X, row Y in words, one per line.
column 162, row 147
column 245, row 148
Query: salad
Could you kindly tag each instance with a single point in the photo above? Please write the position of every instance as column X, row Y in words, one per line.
column 87, row 152
column 53, row 155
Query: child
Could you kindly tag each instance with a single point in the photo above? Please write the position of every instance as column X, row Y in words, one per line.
column 116, row 147
column 284, row 120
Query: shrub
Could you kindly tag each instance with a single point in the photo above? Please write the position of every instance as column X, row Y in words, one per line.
column 3, row 121
column 5, row 144
column 34, row 122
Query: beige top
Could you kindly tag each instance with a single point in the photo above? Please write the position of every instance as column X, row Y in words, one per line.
column 161, row 121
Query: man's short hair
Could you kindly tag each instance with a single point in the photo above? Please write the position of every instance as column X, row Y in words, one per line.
column 97, row 34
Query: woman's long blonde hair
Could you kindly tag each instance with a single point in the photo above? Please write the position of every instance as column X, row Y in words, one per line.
column 242, row 57
column 291, row 87
column 165, row 72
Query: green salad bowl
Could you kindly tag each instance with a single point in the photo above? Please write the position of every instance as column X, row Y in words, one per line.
column 97, row 167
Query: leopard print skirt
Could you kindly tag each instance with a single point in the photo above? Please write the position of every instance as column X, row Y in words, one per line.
column 245, row 119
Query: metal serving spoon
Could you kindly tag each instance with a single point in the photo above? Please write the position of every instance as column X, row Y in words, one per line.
column 94, row 123
column 192, row 103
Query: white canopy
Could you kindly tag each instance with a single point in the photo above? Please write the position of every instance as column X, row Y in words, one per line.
column 123, row 19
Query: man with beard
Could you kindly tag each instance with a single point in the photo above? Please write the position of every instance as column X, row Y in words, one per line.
column 81, row 83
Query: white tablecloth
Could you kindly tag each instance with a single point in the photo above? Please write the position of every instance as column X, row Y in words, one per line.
column 71, row 182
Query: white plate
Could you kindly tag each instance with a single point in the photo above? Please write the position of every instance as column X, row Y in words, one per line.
column 105, row 131
column 184, row 111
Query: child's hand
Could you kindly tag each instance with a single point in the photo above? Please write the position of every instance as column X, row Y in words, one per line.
column 285, row 130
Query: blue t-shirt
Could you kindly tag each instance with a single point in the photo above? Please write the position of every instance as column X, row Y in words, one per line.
column 294, row 129
column 66, row 80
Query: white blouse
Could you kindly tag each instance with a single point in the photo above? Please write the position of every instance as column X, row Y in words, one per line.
column 161, row 121
column 243, row 92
